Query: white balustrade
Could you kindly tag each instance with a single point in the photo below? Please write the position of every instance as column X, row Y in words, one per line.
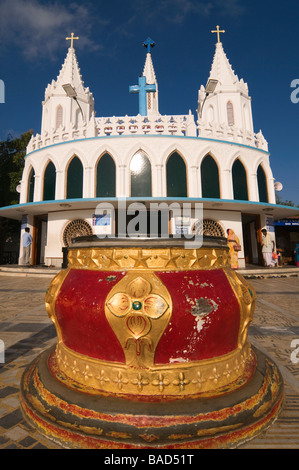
column 177, row 125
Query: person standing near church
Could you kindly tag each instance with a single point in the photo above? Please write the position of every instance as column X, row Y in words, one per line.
column 234, row 246
column 268, row 248
column 27, row 241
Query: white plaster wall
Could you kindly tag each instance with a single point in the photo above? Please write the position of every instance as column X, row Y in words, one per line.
column 57, row 222
column 158, row 149
column 232, row 220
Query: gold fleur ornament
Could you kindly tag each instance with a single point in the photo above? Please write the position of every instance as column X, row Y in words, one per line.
column 139, row 315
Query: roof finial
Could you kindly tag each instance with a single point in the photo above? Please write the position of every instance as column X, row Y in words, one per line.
column 72, row 39
column 218, row 33
column 148, row 44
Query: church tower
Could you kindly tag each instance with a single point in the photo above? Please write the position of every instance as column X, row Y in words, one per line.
column 68, row 104
column 229, row 104
column 149, row 73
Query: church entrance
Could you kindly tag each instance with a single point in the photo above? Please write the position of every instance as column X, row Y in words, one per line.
column 143, row 223
column 251, row 223
column 39, row 236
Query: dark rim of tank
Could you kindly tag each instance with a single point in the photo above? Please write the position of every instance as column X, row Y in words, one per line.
column 89, row 241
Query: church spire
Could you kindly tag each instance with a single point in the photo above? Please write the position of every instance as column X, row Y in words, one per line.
column 229, row 104
column 62, row 110
column 149, row 73
column 222, row 71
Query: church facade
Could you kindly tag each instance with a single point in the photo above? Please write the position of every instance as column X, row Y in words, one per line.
column 79, row 168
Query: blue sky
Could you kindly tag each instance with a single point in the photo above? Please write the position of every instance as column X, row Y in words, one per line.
column 261, row 43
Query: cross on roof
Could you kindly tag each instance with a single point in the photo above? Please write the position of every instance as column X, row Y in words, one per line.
column 148, row 44
column 218, row 32
column 72, row 39
column 142, row 88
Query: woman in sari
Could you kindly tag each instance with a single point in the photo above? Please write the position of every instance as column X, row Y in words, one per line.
column 234, row 246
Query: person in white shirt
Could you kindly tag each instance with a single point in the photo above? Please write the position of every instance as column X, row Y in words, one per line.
column 27, row 241
column 268, row 248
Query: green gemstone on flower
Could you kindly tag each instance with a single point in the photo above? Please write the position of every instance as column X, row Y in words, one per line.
column 136, row 305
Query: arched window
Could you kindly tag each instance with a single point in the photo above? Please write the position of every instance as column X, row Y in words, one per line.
column 59, row 116
column 230, row 113
column 262, row 184
column 141, row 177
column 49, row 182
column 30, row 188
column 210, row 178
column 105, row 174
column 239, row 181
column 176, row 176
column 74, row 179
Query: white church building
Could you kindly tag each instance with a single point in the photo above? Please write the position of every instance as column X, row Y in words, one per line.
column 80, row 161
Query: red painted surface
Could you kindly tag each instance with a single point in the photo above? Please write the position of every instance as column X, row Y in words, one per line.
column 80, row 311
column 189, row 337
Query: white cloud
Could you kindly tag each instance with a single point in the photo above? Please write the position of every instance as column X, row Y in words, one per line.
column 37, row 29
column 176, row 12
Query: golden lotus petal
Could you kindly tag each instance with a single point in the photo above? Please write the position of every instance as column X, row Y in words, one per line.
column 155, row 306
column 138, row 325
column 139, row 288
column 119, row 304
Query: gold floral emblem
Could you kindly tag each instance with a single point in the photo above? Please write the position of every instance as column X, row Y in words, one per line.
column 138, row 315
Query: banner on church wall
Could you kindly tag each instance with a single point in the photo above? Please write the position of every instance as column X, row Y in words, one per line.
column 102, row 223
column 182, row 225
column 270, row 224
column 287, row 222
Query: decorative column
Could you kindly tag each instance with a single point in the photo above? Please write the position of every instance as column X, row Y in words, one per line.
column 60, row 192
column 193, row 182
column 37, row 196
column 253, row 192
column 226, row 184
column 121, row 192
column 271, row 190
column 158, row 186
column 88, row 182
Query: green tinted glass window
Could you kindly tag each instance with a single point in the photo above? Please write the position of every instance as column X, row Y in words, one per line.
column 262, row 184
column 210, row 178
column 30, row 189
column 49, row 182
column 176, row 176
column 75, row 179
column 239, row 181
column 105, row 184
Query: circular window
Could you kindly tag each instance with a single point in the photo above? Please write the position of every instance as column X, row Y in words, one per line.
column 209, row 228
column 76, row 228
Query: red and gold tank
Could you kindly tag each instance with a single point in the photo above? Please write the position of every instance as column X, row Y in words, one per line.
column 158, row 321
column 152, row 350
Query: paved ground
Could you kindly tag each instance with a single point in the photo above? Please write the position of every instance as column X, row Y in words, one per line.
column 26, row 330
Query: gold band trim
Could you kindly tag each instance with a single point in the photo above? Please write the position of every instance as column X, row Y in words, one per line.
column 170, row 259
column 177, row 380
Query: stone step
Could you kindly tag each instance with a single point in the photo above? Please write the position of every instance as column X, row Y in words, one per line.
column 14, row 270
column 249, row 272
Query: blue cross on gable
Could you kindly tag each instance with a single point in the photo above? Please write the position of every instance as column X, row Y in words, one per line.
column 142, row 88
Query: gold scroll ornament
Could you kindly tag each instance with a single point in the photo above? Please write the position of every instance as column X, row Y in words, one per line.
column 138, row 310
